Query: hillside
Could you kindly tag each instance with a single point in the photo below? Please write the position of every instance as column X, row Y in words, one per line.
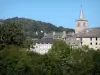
column 30, row 27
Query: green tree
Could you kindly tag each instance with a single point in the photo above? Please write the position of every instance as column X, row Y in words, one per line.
column 56, row 60
column 12, row 33
column 96, row 63
column 60, row 49
column 16, row 61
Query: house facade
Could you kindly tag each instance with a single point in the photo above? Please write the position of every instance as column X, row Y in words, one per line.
column 90, row 37
column 43, row 45
column 41, row 48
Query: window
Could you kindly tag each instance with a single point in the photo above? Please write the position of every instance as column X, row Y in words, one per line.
column 96, row 43
column 96, row 38
column 90, row 39
column 81, row 39
column 81, row 43
column 91, row 43
column 84, row 24
column 78, row 24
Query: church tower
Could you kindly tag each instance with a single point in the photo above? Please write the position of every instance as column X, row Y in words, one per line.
column 81, row 23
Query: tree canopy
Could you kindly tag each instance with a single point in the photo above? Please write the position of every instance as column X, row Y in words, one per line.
column 11, row 33
column 60, row 60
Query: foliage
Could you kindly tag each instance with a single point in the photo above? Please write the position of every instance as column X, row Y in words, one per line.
column 96, row 63
column 60, row 49
column 11, row 33
column 27, row 42
column 61, row 60
column 85, row 47
column 16, row 61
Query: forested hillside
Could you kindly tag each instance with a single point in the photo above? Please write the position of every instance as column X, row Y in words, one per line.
column 30, row 27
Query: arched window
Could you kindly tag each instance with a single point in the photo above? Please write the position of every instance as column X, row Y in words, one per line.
column 78, row 24
column 84, row 24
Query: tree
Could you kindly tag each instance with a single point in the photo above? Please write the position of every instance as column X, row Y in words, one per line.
column 60, row 49
column 14, row 60
column 56, row 60
column 96, row 63
column 12, row 33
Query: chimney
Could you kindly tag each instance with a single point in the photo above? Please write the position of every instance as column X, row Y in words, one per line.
column 36, row 33
column 54, row 33
column 64, row 33
column 45, row 34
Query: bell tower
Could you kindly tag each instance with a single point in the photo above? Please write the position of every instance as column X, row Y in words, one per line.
column 81, row 23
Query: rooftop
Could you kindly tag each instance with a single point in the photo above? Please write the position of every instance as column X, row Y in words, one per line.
column 89, row 32
column 46, row 40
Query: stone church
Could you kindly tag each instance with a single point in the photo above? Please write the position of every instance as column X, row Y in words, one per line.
column 81, row 23
column 87, row 36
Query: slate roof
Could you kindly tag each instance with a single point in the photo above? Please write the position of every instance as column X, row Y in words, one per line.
column 60, row 34
column 89, row 32
column 50, row 35
column 46, row 40
column 71, row 39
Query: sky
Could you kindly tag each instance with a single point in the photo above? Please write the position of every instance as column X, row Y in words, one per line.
column 58, row 12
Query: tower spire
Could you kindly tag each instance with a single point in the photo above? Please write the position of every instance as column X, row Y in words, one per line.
column 81, row 13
